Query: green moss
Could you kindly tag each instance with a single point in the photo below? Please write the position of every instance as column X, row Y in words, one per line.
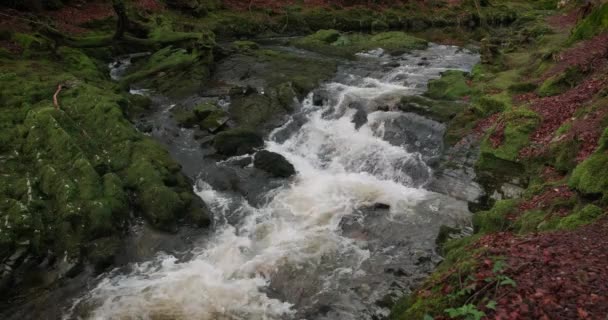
column 591, row 176
column 586, row 215
column 592, row 25
column 459, row 262
column 520, row 123
column 523, row 87
column 245, row 46
column 79, row 64
column 34, row 45
column 331, row 42
column 214, row 121
column 442, row 111
column 495, row 219
column 285, row 70
column 451, row 86
column 485, row 106
column 161, row 205
column 560, row 83
column 530, row 221
column 564, row 154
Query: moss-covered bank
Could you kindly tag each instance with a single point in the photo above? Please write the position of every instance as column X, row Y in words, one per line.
column 73, row 175
column 516, row 101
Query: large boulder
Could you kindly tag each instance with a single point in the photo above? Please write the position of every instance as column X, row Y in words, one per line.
column 273, row 163
column 237, row 142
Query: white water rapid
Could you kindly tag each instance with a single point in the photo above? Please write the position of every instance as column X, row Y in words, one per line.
column 293, row 252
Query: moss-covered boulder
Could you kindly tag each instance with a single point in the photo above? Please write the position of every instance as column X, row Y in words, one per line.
column 591, row 176
column 561, row 82
column 332, row 42
column 237, row 142
column 273, row 163
column 77, row 172
column 518, row 125
column 442, row 111
column 175, row 71
column 495, row 219
column 451, row 86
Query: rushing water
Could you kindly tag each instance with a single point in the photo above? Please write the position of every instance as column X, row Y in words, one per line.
column 317, row 248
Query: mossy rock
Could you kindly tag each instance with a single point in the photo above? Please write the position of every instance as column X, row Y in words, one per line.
column 101, row 252
column 254, row 110
column 175, row 72
column 486, row 106
column 442, row 111
column 325, row 36
column 188, row 118
column 495, row 219
column 237, row 142
column 584, row 216
column 137, row 105
column 161, row 206
column 591, row 175
column 564, row 154
column 243, row 46
column 331, row 42
column 451, row 86
column 531, row 221
column 214, row 121
column 520, row 123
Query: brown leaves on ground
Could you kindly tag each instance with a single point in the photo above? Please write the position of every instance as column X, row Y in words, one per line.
column 558, row 275
column 70, row 19
column 556, row 110
column 547, row 198
column 587, row 55
column 564, row 21
column 279, row 5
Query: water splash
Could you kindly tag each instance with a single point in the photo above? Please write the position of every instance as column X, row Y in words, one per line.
column 340, row 169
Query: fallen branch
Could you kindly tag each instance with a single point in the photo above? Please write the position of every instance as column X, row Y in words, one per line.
column 55, row 101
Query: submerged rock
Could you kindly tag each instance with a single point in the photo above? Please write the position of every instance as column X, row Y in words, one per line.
column 359, row 119
column 237, row 142
column 273, row 163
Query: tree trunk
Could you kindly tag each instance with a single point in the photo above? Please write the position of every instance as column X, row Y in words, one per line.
column 123, row 20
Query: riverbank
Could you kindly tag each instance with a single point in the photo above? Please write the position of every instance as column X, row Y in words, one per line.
column 538, row 108
column 531, row 67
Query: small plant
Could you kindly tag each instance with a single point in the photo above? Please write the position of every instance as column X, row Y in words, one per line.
column 468, row 312
column 474, row 293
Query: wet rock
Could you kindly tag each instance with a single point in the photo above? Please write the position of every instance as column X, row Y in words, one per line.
column 215, row 121
column 242, row 91
column 240, row 162
column 381, row 206
column 102, row 252
column 236, row 142
column 145, row 127
column 273, row 163
column 318, row 97
column 221, row 178
column 359, row 119
column 445, row 233
column 392, row 64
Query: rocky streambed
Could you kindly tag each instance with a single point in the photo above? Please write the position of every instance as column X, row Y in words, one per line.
column 333, row 215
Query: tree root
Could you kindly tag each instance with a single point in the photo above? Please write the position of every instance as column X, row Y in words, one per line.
column 55, row 100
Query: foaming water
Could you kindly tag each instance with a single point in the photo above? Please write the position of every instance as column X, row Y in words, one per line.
column 298, row 235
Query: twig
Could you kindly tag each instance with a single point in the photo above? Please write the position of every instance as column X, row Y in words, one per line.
column 470, row 299
column 55, row 102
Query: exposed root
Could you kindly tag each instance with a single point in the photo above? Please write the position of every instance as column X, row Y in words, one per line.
column 55, row 100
